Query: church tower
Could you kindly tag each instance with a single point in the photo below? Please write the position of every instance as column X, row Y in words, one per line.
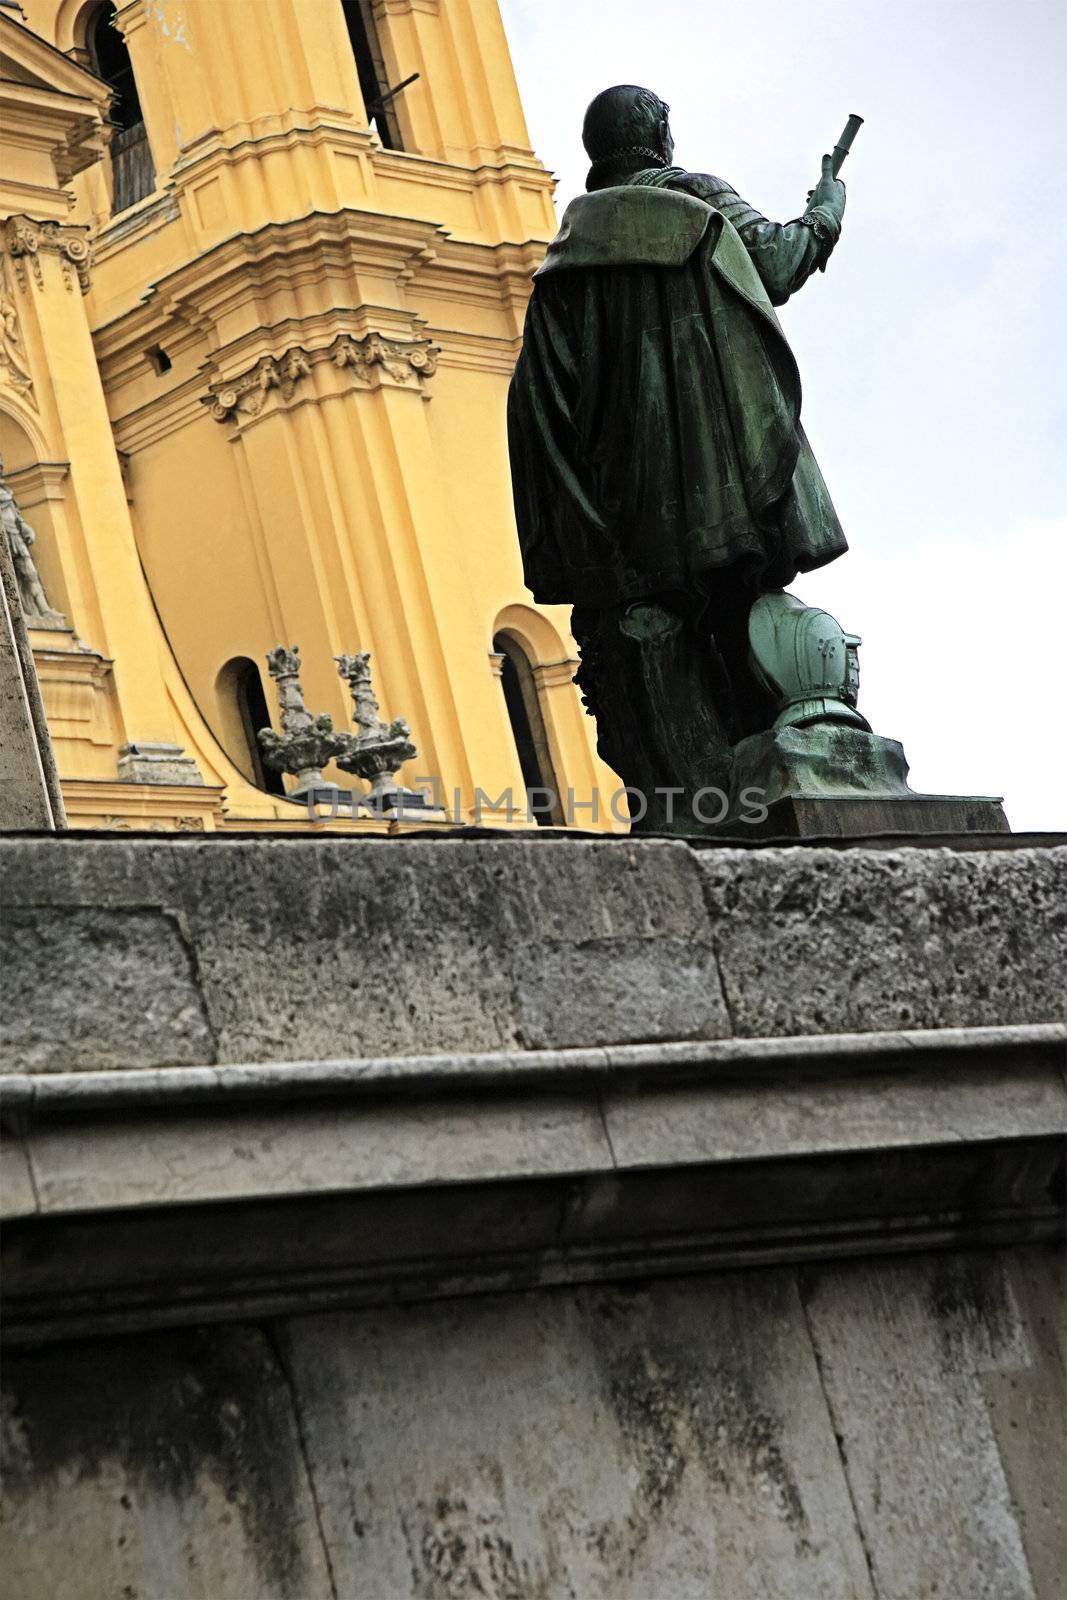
column 264, row 271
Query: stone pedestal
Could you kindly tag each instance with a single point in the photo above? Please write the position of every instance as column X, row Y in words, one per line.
column 157, row 763
column 831, row 780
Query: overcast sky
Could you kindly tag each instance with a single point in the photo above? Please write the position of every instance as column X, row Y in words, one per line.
column 932, row 351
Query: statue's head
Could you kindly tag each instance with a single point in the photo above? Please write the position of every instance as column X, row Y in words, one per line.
column 626, row 128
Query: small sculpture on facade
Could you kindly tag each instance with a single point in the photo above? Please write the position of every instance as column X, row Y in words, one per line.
column 307, row 742
column 20, row 536
column 380, row 749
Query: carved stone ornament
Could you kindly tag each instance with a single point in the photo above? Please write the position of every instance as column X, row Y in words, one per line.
column 380, row 749
column 27, row 240
column 404, row 360
column 247, row 395
column 307, row 742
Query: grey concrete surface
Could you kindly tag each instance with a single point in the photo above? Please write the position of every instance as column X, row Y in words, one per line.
column 824, row 1433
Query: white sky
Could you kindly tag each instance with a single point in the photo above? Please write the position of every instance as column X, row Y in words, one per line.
column 932, row 351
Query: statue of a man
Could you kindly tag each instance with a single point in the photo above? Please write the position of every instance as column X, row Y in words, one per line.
column 662, row 478
column 20, row 537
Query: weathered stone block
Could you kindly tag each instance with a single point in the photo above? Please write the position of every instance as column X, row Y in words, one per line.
column 814, row 941
column 636, row 989
column 324, row 947
column 100, row 986
column 613, row 1444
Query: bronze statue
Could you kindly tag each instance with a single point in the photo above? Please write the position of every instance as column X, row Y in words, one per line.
column 663, row 482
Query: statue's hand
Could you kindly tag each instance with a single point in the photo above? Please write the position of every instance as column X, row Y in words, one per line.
column 829, row 191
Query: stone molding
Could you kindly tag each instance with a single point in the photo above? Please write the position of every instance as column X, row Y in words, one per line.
column 26, row 239
column 402, row 8
column 894, row 1141
column 372, row 359
column 38, row 482
column 555, row 674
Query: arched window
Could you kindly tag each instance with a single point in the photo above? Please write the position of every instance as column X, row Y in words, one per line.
column 132, row 172
column 528, row 729
column 244, row 708
column 370, row 64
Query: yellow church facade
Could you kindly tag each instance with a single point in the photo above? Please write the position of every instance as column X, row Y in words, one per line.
column 263, row 272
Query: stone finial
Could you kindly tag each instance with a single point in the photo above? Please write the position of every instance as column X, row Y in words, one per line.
column 307, row 742
column 378, row 751
column 20, row 536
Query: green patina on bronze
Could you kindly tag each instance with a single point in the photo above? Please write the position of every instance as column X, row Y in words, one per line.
column 662, row 479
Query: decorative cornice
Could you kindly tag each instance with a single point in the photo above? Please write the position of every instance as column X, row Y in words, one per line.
column 42, row 480
column 370, row 359
column 26, row 239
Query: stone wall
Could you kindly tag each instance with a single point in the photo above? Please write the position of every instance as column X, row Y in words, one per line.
column 138, row 952
column 532, row 1219
column 881, row 1430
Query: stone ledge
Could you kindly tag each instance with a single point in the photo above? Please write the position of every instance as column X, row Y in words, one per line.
column 630, row 1066
column 149, row 1198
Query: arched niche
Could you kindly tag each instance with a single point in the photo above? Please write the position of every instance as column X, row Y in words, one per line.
column 243, row 711
column 71, row 27
column 526, row 715
column 538, row 637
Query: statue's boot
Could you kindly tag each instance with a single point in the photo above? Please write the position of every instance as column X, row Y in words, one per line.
column 648, row 676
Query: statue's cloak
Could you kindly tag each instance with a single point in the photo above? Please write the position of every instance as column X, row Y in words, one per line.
column 654, row 413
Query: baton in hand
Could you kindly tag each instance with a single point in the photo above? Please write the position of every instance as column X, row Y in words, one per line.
column 844, row 144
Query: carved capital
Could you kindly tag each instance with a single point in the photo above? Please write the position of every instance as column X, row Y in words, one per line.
column 404, row 360
column 26, row 241
column 246, row 396
column 373, row 357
